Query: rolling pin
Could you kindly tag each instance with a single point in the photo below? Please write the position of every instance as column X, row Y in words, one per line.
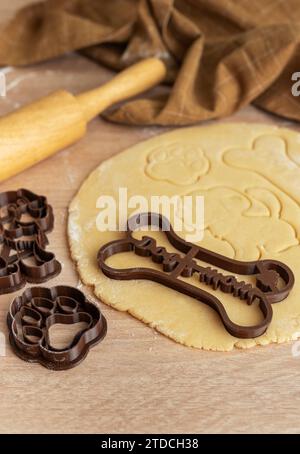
column 38, row 130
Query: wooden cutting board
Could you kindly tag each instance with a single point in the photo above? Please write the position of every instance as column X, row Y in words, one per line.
column 136, row 380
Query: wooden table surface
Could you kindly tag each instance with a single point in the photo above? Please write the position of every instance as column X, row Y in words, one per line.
column 136, row 381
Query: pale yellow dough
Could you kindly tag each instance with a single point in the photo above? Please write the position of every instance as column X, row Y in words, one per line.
column 250, row 177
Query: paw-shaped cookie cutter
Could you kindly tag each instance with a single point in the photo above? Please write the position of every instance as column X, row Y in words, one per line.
column 32, row 314
column 21, row 240
column 274, row 279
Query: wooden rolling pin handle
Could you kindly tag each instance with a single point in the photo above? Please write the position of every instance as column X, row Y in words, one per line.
column 37, row 131
column 132, row 81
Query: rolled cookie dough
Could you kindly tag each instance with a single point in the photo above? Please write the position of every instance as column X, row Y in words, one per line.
column 250, row 177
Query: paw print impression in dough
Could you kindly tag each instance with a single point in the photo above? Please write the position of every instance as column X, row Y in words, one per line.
column 177, row 164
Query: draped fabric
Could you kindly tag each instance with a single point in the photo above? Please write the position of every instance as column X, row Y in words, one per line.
column 221, row 54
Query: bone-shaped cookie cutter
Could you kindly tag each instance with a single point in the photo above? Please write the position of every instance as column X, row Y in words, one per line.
column 274, row 280
column 22, row 239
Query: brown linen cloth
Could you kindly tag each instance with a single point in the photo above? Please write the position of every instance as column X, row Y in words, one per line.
column 221, row 54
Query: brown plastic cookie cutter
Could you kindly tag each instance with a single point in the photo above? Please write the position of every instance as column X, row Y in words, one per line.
column 33, row 313
column 25, row 218
column 274, row 280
